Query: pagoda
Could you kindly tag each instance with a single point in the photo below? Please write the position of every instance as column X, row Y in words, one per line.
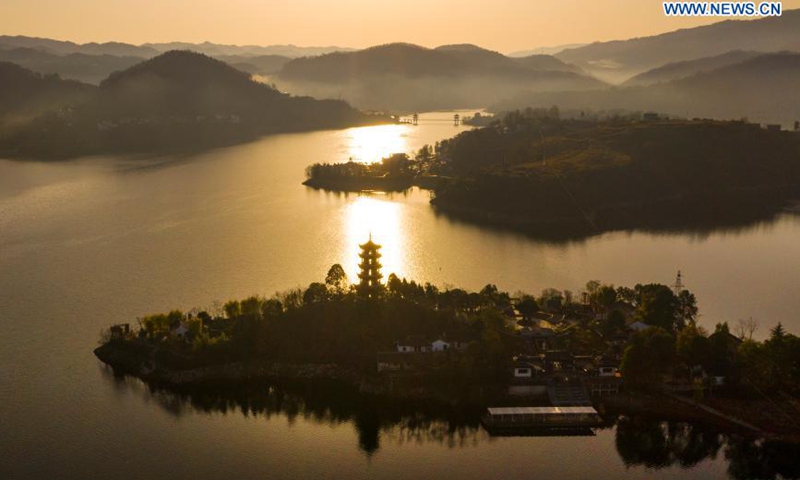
column 369, row 285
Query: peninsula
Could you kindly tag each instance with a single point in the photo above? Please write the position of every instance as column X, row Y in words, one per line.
column 535, row 172
column 618, row 348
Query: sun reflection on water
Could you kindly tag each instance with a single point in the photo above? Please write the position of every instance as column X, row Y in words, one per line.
column 380, row 218
column 371, row 144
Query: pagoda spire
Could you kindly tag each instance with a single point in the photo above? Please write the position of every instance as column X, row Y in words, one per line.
column 678, row 287
column 369, row 274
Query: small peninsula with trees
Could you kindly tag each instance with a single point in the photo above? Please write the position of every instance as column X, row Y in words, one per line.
column 536, row 172
column 623, row 349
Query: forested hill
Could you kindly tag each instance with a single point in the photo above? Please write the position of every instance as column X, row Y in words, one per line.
column 402, row 76
column 177, row 100
column 543, row 174
column 25, row 94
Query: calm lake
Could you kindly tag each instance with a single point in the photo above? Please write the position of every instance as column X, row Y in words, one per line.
column 96, row 241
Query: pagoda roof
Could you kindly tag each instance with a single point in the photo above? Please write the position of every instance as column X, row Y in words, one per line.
column 370, row 243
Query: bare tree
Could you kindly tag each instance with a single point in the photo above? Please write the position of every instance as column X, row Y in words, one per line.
column 745, row 328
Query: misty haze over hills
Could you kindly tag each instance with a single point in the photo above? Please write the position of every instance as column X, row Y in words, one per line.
column 409, row 77
column 545, row 50
column 214, row 49
column 678, row 70
column 763, row 88
column 93, row 62
column 618, row 60
column 178, row 100
column 147, row 50
column 26, row 94
column 709, row 71
column 88, row 68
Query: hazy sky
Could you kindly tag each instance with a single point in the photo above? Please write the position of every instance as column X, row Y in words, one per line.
column 503, row 25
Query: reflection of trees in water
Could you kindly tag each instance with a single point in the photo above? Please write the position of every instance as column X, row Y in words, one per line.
column 418, row 429
column 330, row 403
column 766, row 459
column 639, row 441
column 656, row 444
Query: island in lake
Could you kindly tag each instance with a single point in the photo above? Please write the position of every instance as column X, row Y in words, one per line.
column 617, row 349
column 536, row 172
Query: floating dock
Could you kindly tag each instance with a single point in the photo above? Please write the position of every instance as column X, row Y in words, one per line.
column 553, row 419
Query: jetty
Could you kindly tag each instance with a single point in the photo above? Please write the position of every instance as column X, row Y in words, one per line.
column 504, row 420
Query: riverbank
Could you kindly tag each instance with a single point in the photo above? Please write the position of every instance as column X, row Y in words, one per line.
column 746, row 417
column 139, row 360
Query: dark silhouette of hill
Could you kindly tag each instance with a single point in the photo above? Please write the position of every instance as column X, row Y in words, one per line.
column 763, row 88
column 402, row 76
column 179, row 101
column 25, row 94
column 75, row 66
column 618, row 60
column 475, row 55
column 60, row 47
column 678, row 70
column 182, row 83
column 617, row 174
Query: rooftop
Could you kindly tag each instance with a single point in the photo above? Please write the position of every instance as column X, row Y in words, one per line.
column 541, row 410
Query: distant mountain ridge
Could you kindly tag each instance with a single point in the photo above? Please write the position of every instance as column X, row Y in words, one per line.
column 678, row 70
column 402, row 76
column 75, row 66
column 216, row 49
column 62, row 47
column 255, row 65
column 545, row 50
column 764, row 88
column 619, row 60
column 148, row 50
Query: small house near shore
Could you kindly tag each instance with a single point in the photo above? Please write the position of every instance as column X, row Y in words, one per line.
column 413, row 344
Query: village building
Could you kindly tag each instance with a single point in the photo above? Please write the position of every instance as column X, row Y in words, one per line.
column 638, row 326
column 413, row 344
column 120, row 331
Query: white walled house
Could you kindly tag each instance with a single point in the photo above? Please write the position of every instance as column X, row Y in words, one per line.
column 439, row 346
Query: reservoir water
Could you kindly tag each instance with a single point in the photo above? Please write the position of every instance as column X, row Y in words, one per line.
column 96, row 241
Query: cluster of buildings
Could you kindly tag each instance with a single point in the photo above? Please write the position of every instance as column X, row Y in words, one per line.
column 416, row 351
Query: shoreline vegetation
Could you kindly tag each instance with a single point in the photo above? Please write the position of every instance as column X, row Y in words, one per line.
column 535, row 172
column 626, row 350
column 395, row 173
